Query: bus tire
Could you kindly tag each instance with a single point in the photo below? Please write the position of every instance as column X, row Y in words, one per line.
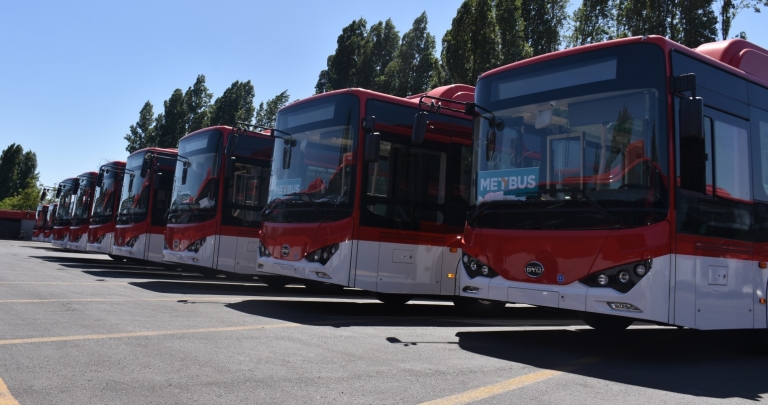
column 604, row 322
column 469, row 306
column 392, row 299
column 319, row 287
column 275, row 281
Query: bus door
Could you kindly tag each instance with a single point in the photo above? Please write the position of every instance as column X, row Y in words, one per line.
column 404, row 201
column 714, row 262
column 246, row 192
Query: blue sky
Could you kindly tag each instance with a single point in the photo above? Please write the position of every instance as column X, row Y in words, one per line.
column 74, row 74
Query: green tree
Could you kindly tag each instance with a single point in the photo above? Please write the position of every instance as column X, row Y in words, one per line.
column 197, row 101
column 342, row 65
column 142, row 133
column 266, row 113
column 697, row 23
column 415, row 65
column 9, row 164
column 544, row 21
column 174, row 121
column 379, row 49
column 235, row 105
column 25, row 200
column 26, row 173
column 457, row 46
column 592, row 22
column 509, row 19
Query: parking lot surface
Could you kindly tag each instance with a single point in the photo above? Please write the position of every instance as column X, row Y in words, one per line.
column 83, row 329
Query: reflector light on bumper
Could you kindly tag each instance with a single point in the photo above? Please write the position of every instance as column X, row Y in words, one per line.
column 196, row 245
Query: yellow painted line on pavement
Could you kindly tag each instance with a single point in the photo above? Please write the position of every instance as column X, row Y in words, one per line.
column 509, row 385
column 140, row 334
column 5, row 396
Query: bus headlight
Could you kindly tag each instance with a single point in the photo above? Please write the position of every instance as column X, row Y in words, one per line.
column 101, row 238
column 131, row 242
column 621, row 278
column 263, row 251
column 196, row 245
column 323, row 255
column 475, row 268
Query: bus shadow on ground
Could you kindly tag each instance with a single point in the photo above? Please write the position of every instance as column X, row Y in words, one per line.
column 226, row 287
column 712, row 364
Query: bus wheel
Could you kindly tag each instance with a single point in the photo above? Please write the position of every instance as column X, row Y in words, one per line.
column 318, row 287
column 605, row 322
column 392, row 299
column 476, row 307
column 275, row 281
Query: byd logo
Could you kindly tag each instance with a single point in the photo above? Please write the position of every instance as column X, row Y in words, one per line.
column 534, row 269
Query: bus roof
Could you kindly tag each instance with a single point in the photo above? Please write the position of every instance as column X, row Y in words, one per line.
column 736, row 56
column 458, row 92
column 224, row 128
column 170, row 151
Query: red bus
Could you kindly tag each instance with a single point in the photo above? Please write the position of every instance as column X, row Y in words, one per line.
column 41, row 218
column 626, row 180
column 81, row 211
column 105, row 204
column 143, row 202
column 65, row 195
column 219, row 190
column 353, row 202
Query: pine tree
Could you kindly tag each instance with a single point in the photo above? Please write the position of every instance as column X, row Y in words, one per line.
column 9, row 163
column 592, row 22
column 512, row 42
column 197, row 100
column 457, row 49
column 266, row 113
column 544, row 20
column 697, row 23
column 174, row 121
column 26, row 174
column 379, row 50
column 141, row 134
column 343, row 64
column 235, row 105
column 415, row 65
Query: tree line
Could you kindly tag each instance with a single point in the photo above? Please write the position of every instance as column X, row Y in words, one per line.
column 190, row 110
column 19, row 189
column 486, row 34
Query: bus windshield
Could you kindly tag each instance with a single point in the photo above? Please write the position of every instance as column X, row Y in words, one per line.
column 134, row 196
column 82, row 209
column 104, row 198
column 573, row 146
column 195, row 195
column 317, row 187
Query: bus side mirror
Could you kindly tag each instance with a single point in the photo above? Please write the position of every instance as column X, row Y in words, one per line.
column 100, row 179
column 692, row 117
column 229, row 168
column 130, row 182
column 184, row 171
column 145, row 165
column 58, row 192
column 419, row 127
column 372, row 147
column 43, row 195
column 76, row 186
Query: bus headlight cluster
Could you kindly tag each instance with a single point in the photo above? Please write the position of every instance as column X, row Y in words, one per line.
column 621, row 278
column 101, row 238
column 476, row 268
column 132, row 242
column 323, row 255
column 196, row 245
column 263, row 251
column 64, row 236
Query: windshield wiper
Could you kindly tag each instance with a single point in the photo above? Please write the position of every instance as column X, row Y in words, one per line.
column 597, row 206
column 305, row 198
